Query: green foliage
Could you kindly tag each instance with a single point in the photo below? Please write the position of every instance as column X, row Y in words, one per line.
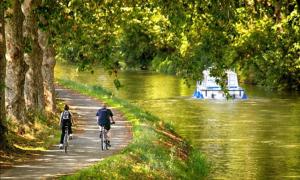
column 156, row 151
column 196, row 169
column 163, row 65
column 136, row 47
column 258, row 39
column 232, row 36
column 5, row 4
column 268, row 52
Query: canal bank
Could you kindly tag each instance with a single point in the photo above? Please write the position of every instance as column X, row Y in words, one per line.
column 156, row 151
column 253, row 139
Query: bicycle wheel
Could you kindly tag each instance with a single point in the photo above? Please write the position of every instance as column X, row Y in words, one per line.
column 66, row 142
column 106, row 144
column 102, row 140
column 106, row 141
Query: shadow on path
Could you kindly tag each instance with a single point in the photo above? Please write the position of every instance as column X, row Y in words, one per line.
column 84, row 147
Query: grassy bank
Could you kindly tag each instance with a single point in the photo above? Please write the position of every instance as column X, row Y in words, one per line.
column 40, row 132
column 156, row 151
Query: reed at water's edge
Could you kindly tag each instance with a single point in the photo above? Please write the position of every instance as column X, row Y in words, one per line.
column 156, row 151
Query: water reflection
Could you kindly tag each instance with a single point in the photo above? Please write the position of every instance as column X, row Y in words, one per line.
column 254, row 139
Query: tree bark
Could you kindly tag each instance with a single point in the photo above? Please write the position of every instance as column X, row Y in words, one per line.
column 16, row 67
column 3, row 128
column 34, row 91
column 277, row 14
column 48, row 70
column 255, row 7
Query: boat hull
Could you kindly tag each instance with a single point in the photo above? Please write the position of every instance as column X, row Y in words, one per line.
column 219, row 94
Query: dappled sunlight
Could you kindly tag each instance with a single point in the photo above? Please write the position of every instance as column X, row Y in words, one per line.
column 85, row 107
column 91, row 128
column 84, row 148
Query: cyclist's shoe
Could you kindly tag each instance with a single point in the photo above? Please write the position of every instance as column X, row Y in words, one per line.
column 71, row 136
column 61, row 146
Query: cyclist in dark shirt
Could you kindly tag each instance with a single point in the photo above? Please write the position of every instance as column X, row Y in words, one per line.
column 105, row 118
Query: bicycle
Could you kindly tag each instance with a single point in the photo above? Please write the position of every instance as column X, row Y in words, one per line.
column 103, row 138
column 66, row 139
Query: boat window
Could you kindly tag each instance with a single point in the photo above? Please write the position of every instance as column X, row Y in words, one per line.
column 211, row 82
column 232, row 80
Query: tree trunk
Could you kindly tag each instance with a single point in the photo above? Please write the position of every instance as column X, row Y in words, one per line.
column 34, row 91
column 48, row 70
column 287, row 8
column 277, row 14
column 3, row 128
column 255, row 7
column 16, row 67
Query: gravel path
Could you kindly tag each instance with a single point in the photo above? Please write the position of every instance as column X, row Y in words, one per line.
column 84, row 147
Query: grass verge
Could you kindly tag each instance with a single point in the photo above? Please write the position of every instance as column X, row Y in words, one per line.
column 40, row 132
column 156, row 151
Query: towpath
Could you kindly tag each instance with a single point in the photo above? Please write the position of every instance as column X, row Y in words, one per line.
column 84, row 147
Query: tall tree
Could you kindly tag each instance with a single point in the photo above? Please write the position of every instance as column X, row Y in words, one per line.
column 16, row 67
column 48, row 51
column 48, row 70
column 277, row 13
column 34, row 91
column 2, row 77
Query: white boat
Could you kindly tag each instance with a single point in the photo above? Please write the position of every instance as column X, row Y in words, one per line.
column 209, row 89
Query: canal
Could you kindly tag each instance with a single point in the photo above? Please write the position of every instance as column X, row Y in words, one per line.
column 258, row 138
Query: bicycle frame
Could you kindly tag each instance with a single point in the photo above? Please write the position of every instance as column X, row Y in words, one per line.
column 66, row 139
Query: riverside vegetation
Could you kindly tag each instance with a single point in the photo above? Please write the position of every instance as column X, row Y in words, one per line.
column 156, row 151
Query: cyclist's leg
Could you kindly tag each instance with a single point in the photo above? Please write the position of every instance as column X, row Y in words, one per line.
column 62, row 134
column 107, row 128
column 100, row 129
column 70, row 128
column 107, row 134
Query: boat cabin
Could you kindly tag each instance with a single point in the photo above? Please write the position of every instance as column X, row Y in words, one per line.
column 209, row 89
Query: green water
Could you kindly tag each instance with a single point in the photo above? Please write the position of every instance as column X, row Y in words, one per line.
column 254, row 139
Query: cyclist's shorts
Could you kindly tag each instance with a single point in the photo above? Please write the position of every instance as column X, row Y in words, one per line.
column 106, row 126
column 66, row 122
